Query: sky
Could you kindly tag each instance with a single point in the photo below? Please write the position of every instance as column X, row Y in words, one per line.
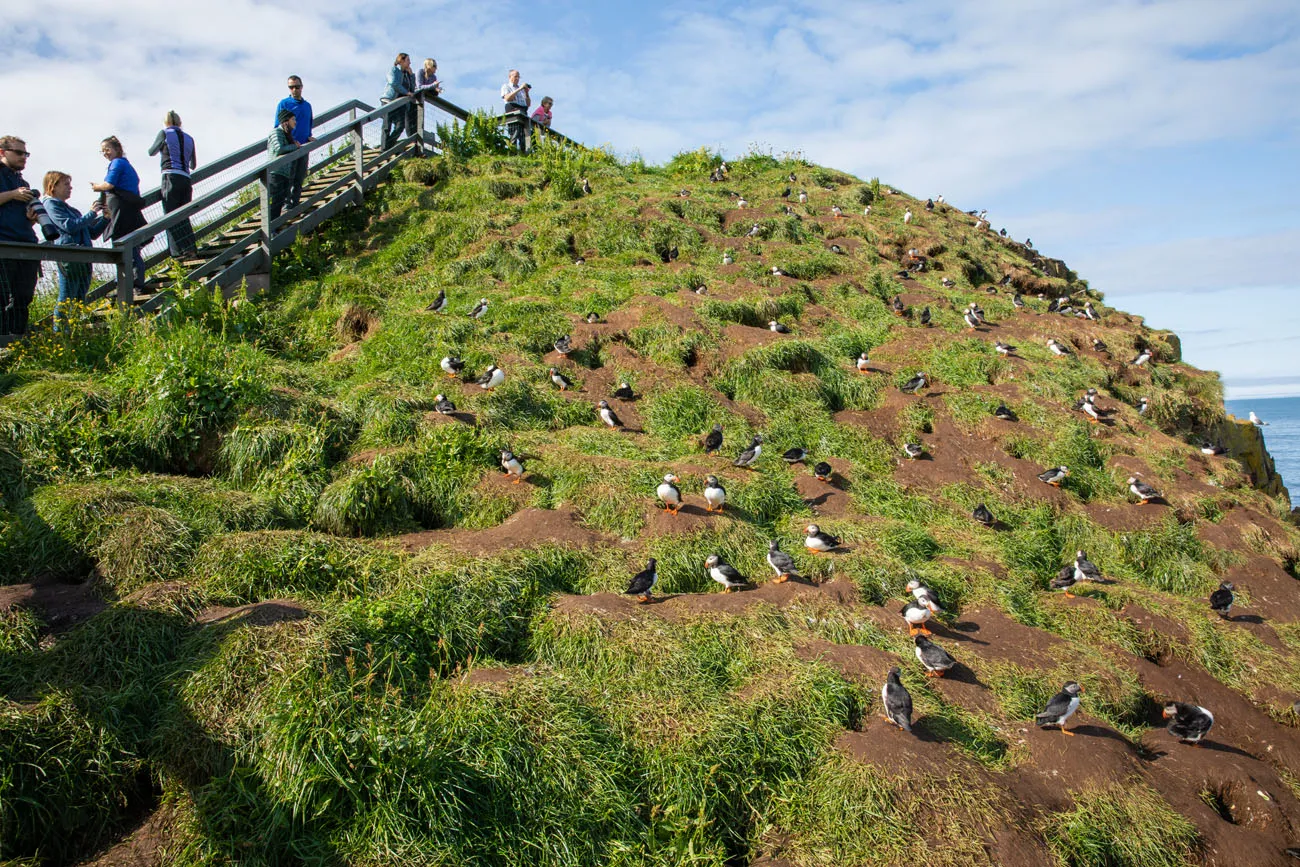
column 1151, row 144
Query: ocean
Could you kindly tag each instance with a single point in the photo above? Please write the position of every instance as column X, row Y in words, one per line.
column 1281, row 437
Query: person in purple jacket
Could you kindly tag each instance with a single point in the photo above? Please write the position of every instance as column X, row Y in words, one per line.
column 125, row 207
column 178, row 160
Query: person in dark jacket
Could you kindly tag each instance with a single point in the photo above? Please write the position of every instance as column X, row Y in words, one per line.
column 301, row 109
column 125, row 207
column 75, row 230
column 401, row 82
column 17, row 276
column 178, row 160
column 280, row 178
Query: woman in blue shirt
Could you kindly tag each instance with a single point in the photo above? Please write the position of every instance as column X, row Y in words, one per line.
column 401, row 82
column 75, row 230
column 124, row 206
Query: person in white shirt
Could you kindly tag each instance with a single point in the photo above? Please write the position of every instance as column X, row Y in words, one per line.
column 517, row 98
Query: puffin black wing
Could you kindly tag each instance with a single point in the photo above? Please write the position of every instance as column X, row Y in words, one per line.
column 713, row 440
column 642, row 581
column 1057, row 708
column 1221, row 600
column 897, row 701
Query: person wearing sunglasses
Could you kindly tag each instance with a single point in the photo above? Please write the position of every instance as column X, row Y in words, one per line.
column 301, row 109
column 17, row 276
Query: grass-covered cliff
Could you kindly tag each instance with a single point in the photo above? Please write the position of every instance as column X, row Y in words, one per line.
column 263, row 605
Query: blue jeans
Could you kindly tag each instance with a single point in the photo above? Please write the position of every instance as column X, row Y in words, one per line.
column 74, row 282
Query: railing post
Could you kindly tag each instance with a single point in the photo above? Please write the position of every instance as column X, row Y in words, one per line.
column 264, row 212
column 125, row 278
column 359, row 158
column 419, row 127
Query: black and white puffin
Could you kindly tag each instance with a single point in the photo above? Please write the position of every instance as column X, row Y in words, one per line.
column 713, row 440
column 1141, row 358
column 563, row 344
column 1085, row 569
column 947, row 282
column 669, row 494
column 1099, row 346
column 451, row 365
column 1056, row 347
column 896, row 701
column 1089, row 313
column 837, row 249
column 443, row 406
column 560, row 380
column 580, row 261
column 623, row 392
column 643, row 582
column 781, row 562
column 586, row 187
column 929, row 204
column 817, row 541
column 727, row 259
column 936, row 661
column 1003, row 349
column 438, row 304
column 741, row 203
column 794, row 455
column 608, row 416
column 923, row 594
column 1064, row 580
column 915, row 384
column 917, row 614
column 913, row 450
column 754, row 231
column 1004, row 413
column 864, row 363
column 1140, row 489
column 512, row 465
column 479, row 309
column 1089, row 409
column 1209, row 448
column 823, row 471
column 1144, row 404
column 749, row 456
column 925, row 317
column 1060, row 708
column 1054, row 476
column 1017, row 300
column 836, row 211
column 1221, row 599
column 673, row 254
column 972, row 321
column 896, row 305
column 983, row 516
column 491, row 378
column 803, row 197
column 777, row 327
column 724, row 573
column 715, row 496
column 593, row 318
column 978, row 311
column 1188, row 722
column 785, row 194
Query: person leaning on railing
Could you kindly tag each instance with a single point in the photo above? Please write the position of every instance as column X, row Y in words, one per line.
column 75, row 230
column 280, row 178
column 426, row 79
column 17, row 276
column 543, row 114
column 517, row 99
column 401, row 82
column 178, row 160
column 123, row 204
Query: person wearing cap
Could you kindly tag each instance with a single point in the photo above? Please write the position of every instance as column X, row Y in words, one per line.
column 301, row 109
column 178, row 160
column 17, row 276
column 280, row 178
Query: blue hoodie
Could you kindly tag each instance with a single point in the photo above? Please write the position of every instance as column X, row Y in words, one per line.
column 301, row 109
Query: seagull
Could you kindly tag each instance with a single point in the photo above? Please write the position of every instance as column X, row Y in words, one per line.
column 1221, row 599
column 440, row 303
column 913, row 450
column 1056, row 347
column 777, row 327
column 479, row 309
column 643, row 582
column 915, row 384
column 1256, row 421
column 715, row 496
column 608, row 416
column 443, row 406
column 1060, row 708
column 749, row 456
column 586, row 187
column 907, row 217
column 724, row 573
column 670, row 494
column 794, row 455
column 1144, row 492
column 564, row 345
column 863, row 363
column 823, row 471
column 1054, row 476
column 1142, row 358
column 1004, row 413
column 512, row 465
column 451, row 365
column 983, row 516
column 623, row 392
column 1003, row 348
column 491, row 378
column 896, row 701
column 782, row 562
column 562, row 381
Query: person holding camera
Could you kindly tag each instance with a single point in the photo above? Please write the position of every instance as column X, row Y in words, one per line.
column 517, row 99
column 17, row 276
column 74, row 230
column 401, row 82
column 122, row 201
column 178, row 160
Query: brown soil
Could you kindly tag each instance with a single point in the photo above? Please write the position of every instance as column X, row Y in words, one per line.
column 61, row 605
column 266, row 613
column 145, row 847
column 528, row 528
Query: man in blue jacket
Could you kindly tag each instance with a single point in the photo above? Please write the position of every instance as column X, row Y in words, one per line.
column 301, row 109
column 17, row 276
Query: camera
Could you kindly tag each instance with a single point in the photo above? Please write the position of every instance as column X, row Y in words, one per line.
column 48, row 229
column 528, row 87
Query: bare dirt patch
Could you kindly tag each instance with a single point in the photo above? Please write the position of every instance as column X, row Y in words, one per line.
column 528, row 528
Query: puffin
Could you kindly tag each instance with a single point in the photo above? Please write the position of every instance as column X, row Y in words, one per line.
column 1089, row 313
column 1003, row 349
column 623, row 392
column 785, row 194
column 929, row 204
column 1221, row 600
column 563, row 344
column 972, row 321
column 907, row 216
column 1209, row 448
column 896, row 701
column 491, row 378
column 451, row 365
column 818, row 542
column 608, row 416
column 823, row 471
column 561, row 381
column 1188, row 722
column 701, row 289
column 643, row 582
column 781, row 562
column 1064, row 580
column 673, row 254
column 776, row 271
column 741, row 203
column 924, row 595
column 940, row 200
column 863, row 363
column 896, row 305
column 715, row 496
column 978, row 311
column 866, row 212
column 670, row 494
column 936, row 661
column 791, row 178
column 837, row 249
column 983, row 516
column 438, row 304
column 1141, row 358
column 749, row 456
column 947, row 282
column 777, row 327
column 724, row 573
column 1085, row 569
column 1143, row 405
column 713, row 440
column 1029, row 243
column 1144, row 492
column 803, row 197
column 1057, row 348
column 913, row 450
column 684, row 193
column 1054, row 476
column 915, row 384
column 836, row 212
column 1099, row 346
column 593, row 318
column 479, row 309
column 1017, row 300
column 917, row 614
column 755, row 230
column 512, row 465
column 1060, row 708
column 1088, row 408
column 794, row 455
column 580, row 261
column 925, row 317
column 443, row 406
column 727, row 259
column 586, row 187
column 1004, row 413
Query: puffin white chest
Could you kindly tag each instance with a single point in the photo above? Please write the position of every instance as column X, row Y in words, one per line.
column 668, row 493
column 715, row 496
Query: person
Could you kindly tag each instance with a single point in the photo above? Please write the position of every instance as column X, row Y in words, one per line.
column 301, row 109
column 517, row 98
column 17, row 276
column 178, row 160
column 121, row 186
column 281, row 178
column 74, row 230
column 426, row 79
column 543, row 113
column 401, row 82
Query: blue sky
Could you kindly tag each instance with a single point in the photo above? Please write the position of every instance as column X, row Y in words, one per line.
column 1152, row 145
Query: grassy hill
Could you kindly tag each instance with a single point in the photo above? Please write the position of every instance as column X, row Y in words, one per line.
column 263, row 605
